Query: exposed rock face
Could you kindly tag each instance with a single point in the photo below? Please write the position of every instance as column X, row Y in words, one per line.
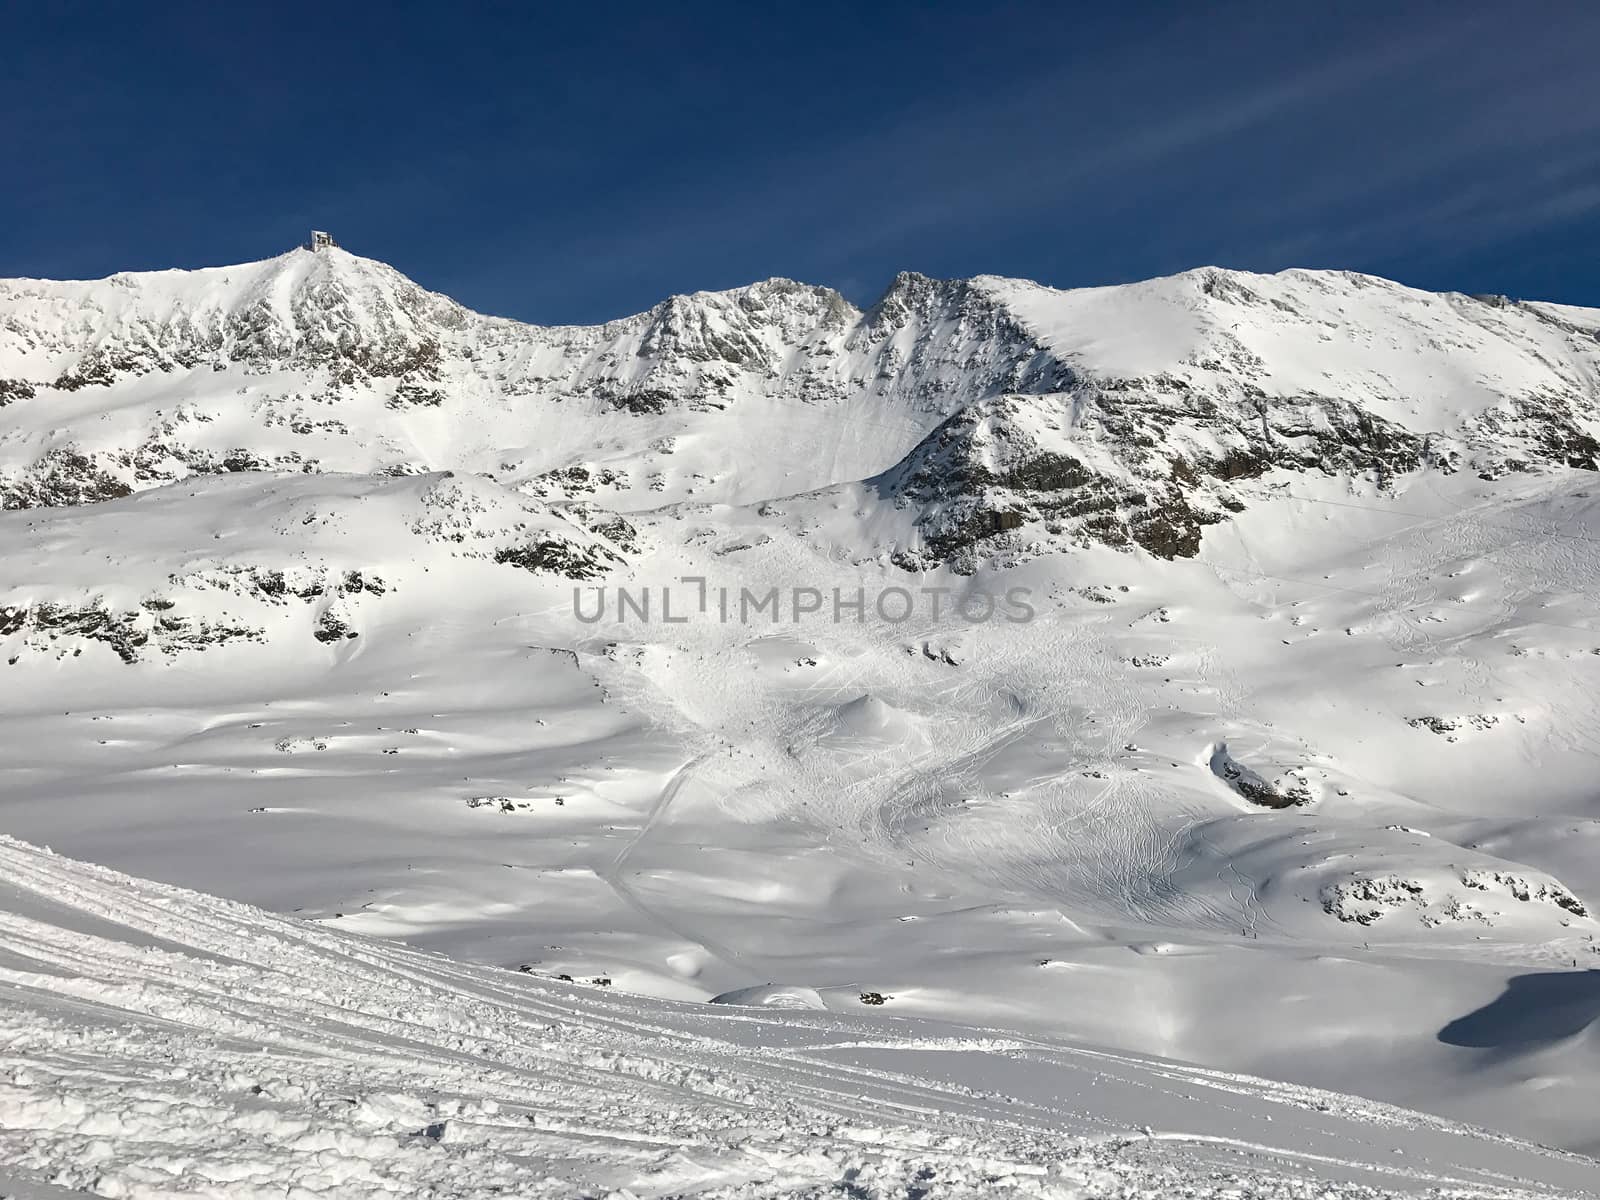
column 1476, row 895
column 15, row 389
column 559, row 557
column 1147, row 463
column 60, row 478
column 1288, row 790
column 131, row 633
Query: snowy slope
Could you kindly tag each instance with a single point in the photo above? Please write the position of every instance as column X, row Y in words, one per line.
column 159, row 1043
column 1306, row 710
column 1422, row 359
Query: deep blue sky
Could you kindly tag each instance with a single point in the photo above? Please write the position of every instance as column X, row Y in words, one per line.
column 577, row 162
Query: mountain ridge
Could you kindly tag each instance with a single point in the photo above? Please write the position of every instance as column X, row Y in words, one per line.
column 342, row 363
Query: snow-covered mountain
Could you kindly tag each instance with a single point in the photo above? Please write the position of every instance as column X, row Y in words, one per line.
column 312, row 600
column 326, row 361
column 1158, row 393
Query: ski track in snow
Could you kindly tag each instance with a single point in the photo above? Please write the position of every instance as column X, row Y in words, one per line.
column 158, row 1043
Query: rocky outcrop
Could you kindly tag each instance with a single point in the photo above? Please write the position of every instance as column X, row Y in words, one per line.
column 131, row 634
column 60, row 478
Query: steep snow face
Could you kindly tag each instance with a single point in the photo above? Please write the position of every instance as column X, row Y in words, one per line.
column 296, row 1060
column 1425, row 361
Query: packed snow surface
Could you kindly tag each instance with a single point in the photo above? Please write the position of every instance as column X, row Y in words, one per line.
column 155, row 1042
